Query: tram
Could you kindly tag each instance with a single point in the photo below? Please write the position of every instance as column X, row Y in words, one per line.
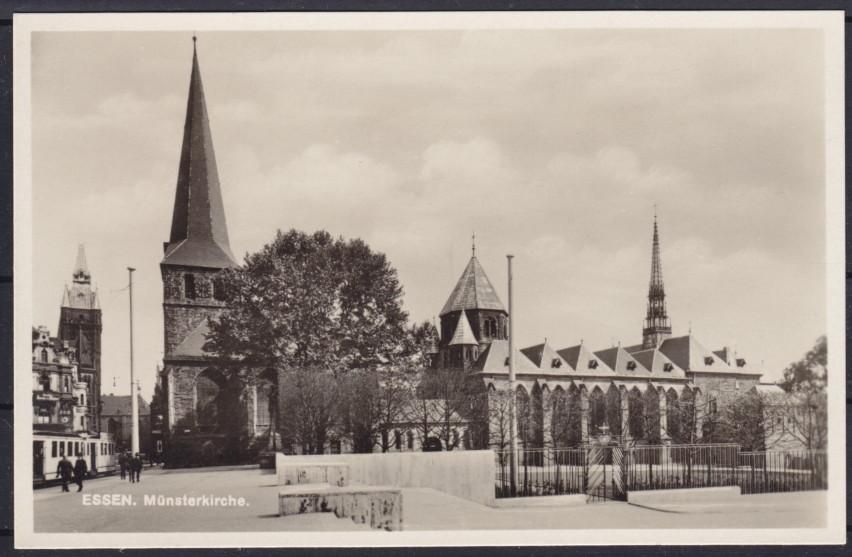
column 49, row 448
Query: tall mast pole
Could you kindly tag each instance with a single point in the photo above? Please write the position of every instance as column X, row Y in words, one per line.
column 134, row 401
column 513, row 423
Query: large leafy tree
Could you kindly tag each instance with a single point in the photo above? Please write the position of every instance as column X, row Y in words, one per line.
column 310, row 301
column 313, row 308
column 377, row 402
column 806, row 407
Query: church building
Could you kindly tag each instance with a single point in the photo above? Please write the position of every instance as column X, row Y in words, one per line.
column 665, row 389
column 203, row 400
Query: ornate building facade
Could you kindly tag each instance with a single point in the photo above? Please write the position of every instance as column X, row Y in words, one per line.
column 664, row 389
column 60, row 396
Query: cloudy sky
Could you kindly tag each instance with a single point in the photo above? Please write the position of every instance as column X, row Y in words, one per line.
column 553, row 145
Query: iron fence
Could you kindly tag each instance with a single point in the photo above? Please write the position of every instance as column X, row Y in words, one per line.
column 542, row 472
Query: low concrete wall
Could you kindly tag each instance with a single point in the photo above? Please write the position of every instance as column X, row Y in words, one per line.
column 466, row 474
column 680, row 496
column 293, row 473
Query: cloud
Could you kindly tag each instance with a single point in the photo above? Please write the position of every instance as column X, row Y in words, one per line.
column 553, row 145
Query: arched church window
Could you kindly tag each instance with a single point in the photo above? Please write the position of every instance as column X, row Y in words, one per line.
column 44, row 355
column 189, row 286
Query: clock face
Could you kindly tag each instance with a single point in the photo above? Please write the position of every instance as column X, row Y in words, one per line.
column 65, row 419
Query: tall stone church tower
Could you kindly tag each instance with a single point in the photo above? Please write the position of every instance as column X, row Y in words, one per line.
column 198, row 248
column 657, row 327
column 80, row 327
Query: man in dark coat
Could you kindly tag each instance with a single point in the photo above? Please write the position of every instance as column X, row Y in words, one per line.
column 136, row 467
column 122, row 464
column 80, row 469
column 64, row 470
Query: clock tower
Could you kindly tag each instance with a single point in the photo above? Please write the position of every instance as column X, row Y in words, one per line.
column 80, row 328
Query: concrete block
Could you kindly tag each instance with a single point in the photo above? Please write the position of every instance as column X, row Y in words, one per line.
column 656, row 497
column 378, row 507
column 466, row 474
column 332, row 473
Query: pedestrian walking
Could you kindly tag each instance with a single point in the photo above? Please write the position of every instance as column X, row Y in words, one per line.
column 136, row 467
column 122, row 464
column 64, row 470
column 80, row 469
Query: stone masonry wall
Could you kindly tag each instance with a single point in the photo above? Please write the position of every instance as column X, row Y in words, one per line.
column 723, row 388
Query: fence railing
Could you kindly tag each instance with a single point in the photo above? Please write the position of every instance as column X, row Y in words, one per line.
column 542, row 472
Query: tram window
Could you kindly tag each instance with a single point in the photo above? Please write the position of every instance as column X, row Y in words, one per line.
column 68, row 448
column 61, row 448
column 53, row 449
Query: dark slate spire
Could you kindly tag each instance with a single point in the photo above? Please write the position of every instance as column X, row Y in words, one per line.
column 473, row 291
column 657, row 325
column 199, row 235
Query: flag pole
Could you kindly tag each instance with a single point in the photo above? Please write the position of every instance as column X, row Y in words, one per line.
column 513, row 424
column 134, row 400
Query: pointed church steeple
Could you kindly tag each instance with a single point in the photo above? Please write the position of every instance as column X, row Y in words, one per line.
column 81, row 273
column 199, row 234
column 80, row 295
column 657, row 325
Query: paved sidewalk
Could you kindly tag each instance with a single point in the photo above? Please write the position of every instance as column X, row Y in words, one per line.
column 423, row 509
column 426, row 509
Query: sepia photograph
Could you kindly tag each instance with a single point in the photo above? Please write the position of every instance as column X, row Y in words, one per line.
column 392, row 279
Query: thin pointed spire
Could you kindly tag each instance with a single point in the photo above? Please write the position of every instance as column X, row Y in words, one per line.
column 199, row 234
column 473, row 245
column 657, row 325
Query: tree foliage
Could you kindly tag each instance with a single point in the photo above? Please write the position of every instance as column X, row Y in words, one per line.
column 809, row 374
column 315, row 309
column 806, row 408
column 310, row 301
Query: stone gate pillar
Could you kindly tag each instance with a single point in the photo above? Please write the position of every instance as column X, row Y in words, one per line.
column 698, row 412
column 624, row 408
column 665, row 440
column 585, row 410
column 547, row 417
column 663, row 413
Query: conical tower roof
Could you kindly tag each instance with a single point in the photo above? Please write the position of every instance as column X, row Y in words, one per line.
column 473, row 291
column 199, row 234
column 464, row 333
